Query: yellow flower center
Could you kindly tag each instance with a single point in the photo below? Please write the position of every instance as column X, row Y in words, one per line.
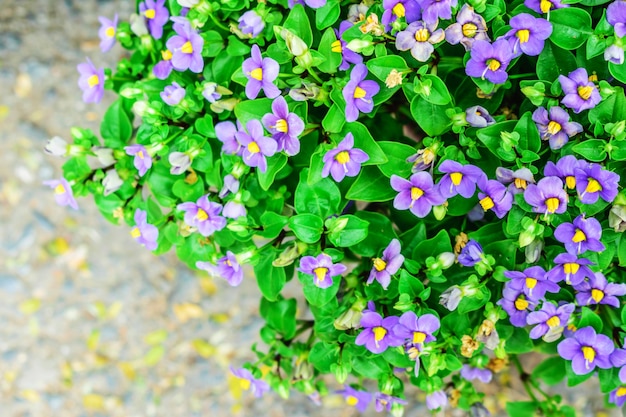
column 593, row 186
column 493, row 64
column 336, row 46
column 554, row 127
column 150, row 13
column 469, row 30
column 621, row 391
column 531, row 283
column 521, row 304
column 579, row 236
column 343, row 157
column 422, row 35
column 187, row 48
column 201, row 215
column 253, row 148
column 571, row 268
column 135, row 233
column 585, row 92
column 597, row 295
column 589, row 353
column 486, row 203
column 59, row 189
column 553, row 321
column 244, row 384
column 552, row 204
column 93, row 81
column 140, row 154
column 166, row 55
column 418, row 337
column 428, row 156
column 379, row 334
column 359, row 92
column 416, row 193
column 379, row 264
column 320, row 273
column 398, row 10
column 593, row 78
column 520, row 183
column 523, row 35
column 570, row 181
column 110, row 31
column 257, row 74
column 352, row 400
column 281, row 126
column 545, row 6
column 456, row 178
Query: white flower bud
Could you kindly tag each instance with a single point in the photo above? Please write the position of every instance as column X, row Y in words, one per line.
column 111, row 182
column 56, row 146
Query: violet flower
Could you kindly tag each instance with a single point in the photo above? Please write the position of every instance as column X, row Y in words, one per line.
column 378, row 333
column 436, row 400
column 571, row 269
column 225, row 132
column 451, row 297
column 339, row 46
column 478, row 116
column 614, row 54
column 580, row 93
column 387, row 265
column 490, row 60
column 322, row 269
column 358, row 399
column 179, row 161
column 592, row 181
column 586, row 350
column 517, row 180
column 580, row 236
column 163, row 68
column 471, row 373
column 565, row 169
column 616, row 16
column 358, row 93
column 599, row 291
column 144, row 233
column 285, row 127
column 469, row 27
column 433, row 10
column 91, row 81
column 549, row 318
column 471, row 253
column 516, row 305
column 107, row 31
column 247, row 381
column 344, row 160
column 419, row 37
column 618, row 395
column 417, row 330
column 494, row 196
column 186, row 47
column 203, row 215
column 156, row 15
column 173, row 94
column 142, row 160
column 250, row 23
column 261, row 73
column 234, row 209
column 313, row 4
column 458, row 179
column 386, row 401
column 227, row 267
column 555, row 126
column 547, row 196
column 256, row 146
column 418, row 193
column 63, row 194
column 210, row 93
column 528, row 34
column 396, row 9
column 533, row 282
column 544, row 6
column 231, row 185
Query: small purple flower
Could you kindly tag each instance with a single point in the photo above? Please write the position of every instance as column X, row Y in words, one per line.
column 614, row 54
column 599, row 291
column 565, row 169
column 378, row 333
column 358, row 399
column 618, row 395
column 592, row 181
column 528, row 34
column 490, row 60
column 143, row 232
column 386, row 401
column 571, row 269
column 358, row 93
column 419, row 37
column 516, row 304
column 321, row 268
column 417, row 330
column 255, row 145
column 231, row 185
column 225, row 132
column 247, row 381
column 396, row 9
column 173, row 94
column 343, row 161
column 458, row 179
column 91, row 81
column 234, row 209
column 544, row 6
column 261, row 73
column 555, row 126
column 616, row 16
column 580, row 93
column 533, row 282
column 418, row 193
column 471, row 373
column 285, row 127
column 547, row 196
column 586, row 350
column 186, row 47
column 581, row 235
column 210, row 92
column 250, row 23
column 203, row 215
column 469, row 27
column 471, row 254
column 107, row 31
column 313, row 4
column 436, row 400
column 433, row 10
column 63, row 194
column 227, row 267
column 142, row 160
column 478, row 116
column 549, row 319
column 339, row 46
column 163, row 68
column 451, row 297
column 387, row 265
column 494, row 196
column 518, row 180
column 156, row 15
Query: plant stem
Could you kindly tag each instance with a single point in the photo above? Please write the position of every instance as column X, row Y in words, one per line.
column 524, row 377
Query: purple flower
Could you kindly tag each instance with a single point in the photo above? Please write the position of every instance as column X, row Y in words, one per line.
column 614, row 54
column 517, row 306
column 437, row 399
column 396, row 9
column 156, row 15
column 173, row 94
column 358, row 399
column 555, row 126
column 261, row 73
column 580, row 93
column 234, row 209
column 419, row 37
column 469, row 27
column 142, row 160
column 255, row 145
column 417, row 330
column 544, row 6
column 458, row 179
column 227, row 268
column 565, row 169
column 231, row 185
column 63, row 194
column 91, row 81
column 451, row 297
column 494, row 196
column 570, row 268
column 518, row 180
column 378, row 333
column 618, row 395
column 599, row 291
column 248, row 382
column 314, row 4
column 203, row 215
column 186, row 47
column 386, row 401
column 490, row 60
column 344, row 160
column 418, row 193
column 210, row 93
column 616, row 16
column 143, row 232
column 586, row 350
column 470, row 373
column 225, row 132
column 533, row 282
column 478, row 116
column 386, row 266
column 433, row 10
column 250, row 23
column 322, row 268
column 347, row 56
column 528, row 34
column 549, row 319
column 471, row 254
column 581, row 235
column 107, row 31
column 592, row 181
column 285, row 127
column 358, row 93
column 547, row 196
column 163, row 68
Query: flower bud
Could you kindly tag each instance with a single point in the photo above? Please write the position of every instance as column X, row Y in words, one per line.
column 111, row 182
column 535, row 93
column 359, row 45
column 56, row 146
column 103, row 157
column 227, row 104
column 340, row 371
column 397, row 410
column 287, row 257
column 440, row 211
column 451, row 297
column 446, row 259
column 526, row 238
column 296, row 46
column 617, row 218
column 394, row 79
column 351, row 318
column 337, row 224
column 533, row 251
column 138, row 25
column 180, row 162
column 131, row 92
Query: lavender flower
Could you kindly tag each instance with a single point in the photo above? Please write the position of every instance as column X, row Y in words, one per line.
column 378, row 333
column 396, row 9
column 581, row 235
column 386, row 266
column 418, row 193
column 458, row 179
column 580, row 93
column 433, row 10
column 179, row 161
column 533, row 282
column 63, row 194
column 592, row 181
column 247, row 381
column 107, row 31
column 618, row 395
column 344, row 160
column 555, row 126
column 386, row 401
column 419, row 37
column 547, row 196
column 261, row 73
column 285, row 127
column 234, row 209
column 143, row 232
column 203, row 215
column 469, row 27
column 494, row 196
column 186, row 47
column 471, row 254
column 599, row 291
column 549, row 319
column 490, row 60
column 516, row 304
column 255, row 145
column 156, row 15
column 358, row 93
column 358, row 399
column 111, row 182
column 142, row 160
column 417, row 330
column 314, row 4
column 570, row 268
column 225, row 132
column 614, row 54
column 339, row 46
column 322, row 268
column 528, row 34
column 565, row 169
column 478, row 116
column 544, row 6
column 436, row 400
column 163, row 68
column 227, row 267
column 518, row 180
column 210, row 91
column 173, row 94
column 616, row 16
column 250, row 23
column 586, row 350
column 470, row 373
column 451, row 297
column 91, row 81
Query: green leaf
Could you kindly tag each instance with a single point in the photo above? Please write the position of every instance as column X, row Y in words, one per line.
column 380, row 233
column 434, row 90
column 327, row 15
column 116, row 128
column 213, row 43
column 334, row 120
column 430, row 117
column 570, row 27
column 274, row 165
column 551, row 370
column 589, row 318
column 610, row 110
column 354, row 231
column 397, row 154
column 224, row 66
column 272, row 224
column 204, row 126
column 491, row 137
column 161, row 184
column 307, row 227
column 333, row 59
column 522, row 409
column 236, row 47
column 363, row 140
column 252, row 109
column 363, row 188
column 554, row 61
column 618, row 71
column 529, row 135
column 280, row 315
column 298, row 23
column 519, row 342
column 323, row 355
column 433, row 246
column 591, row 149
column 315, row 295
column 375, row 367
column 270, row 279
column 188, row 192
column 322, row 198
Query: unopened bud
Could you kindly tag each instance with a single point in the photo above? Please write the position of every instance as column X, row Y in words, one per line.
column 138, row 25
column 359, row 45
column 617, row 218
column 56, row 146
column 111, row 182
column 180, row 162
column 227, row 104
column 340, row 371
column 394, row 79
column 533, row 251
column 131, row 92
column 446, row 259
column 440, row 211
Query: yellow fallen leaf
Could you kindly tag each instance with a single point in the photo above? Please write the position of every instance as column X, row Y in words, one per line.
column 187, row 311
column 127, row 369
column 93, row 339
column 154, row 355
column 208, row 286
column 93, row 401
column 204, row 348
column 156, row 337
column 30, row 306
column 30, row 395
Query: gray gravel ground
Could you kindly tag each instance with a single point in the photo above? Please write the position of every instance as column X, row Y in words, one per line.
column 93, row 324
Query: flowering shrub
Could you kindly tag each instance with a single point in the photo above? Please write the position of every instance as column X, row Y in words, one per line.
column 440, row 177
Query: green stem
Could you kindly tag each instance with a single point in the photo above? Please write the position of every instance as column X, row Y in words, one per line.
column 313, row 74
column 528, row 74
column 524, row 377
column 218, row 23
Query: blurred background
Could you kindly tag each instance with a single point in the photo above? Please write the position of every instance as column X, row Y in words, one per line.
column 92, row 324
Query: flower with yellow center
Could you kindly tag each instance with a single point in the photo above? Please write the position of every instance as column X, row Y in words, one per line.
column 110, row 31
column 187, row 48
column 487, row 203
column 422, row 35
column 579, row 236
column 93, row 81
column 257, row 74
column 201, row 215
column 399, row 10
column 589, row 354
column 545, row 6
column 553, row 321
column 523, row 35
column 336, row 46
column 281, row 125
column 521, row 304
column 621, row 391
column 570, row 181
column 552, row 204
column 253, row 148
column 352, row 400
column 593, row 186
column 416, row 193
column 320, row 273
column 166, row 55
column 379, row 264
column 379, row 334
column 520, row 183
column 469, row 30
column 597, row 295
column 59, row 189
column 554, row 127
column 585, row 92
column 531, row 282
column 150, row 13
column 456, row 178
column 359, row 92
column 244, row 384
column 343, row 157
column 493, row 64
column 418, row 338
column 135, row 233
column 570, row 268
